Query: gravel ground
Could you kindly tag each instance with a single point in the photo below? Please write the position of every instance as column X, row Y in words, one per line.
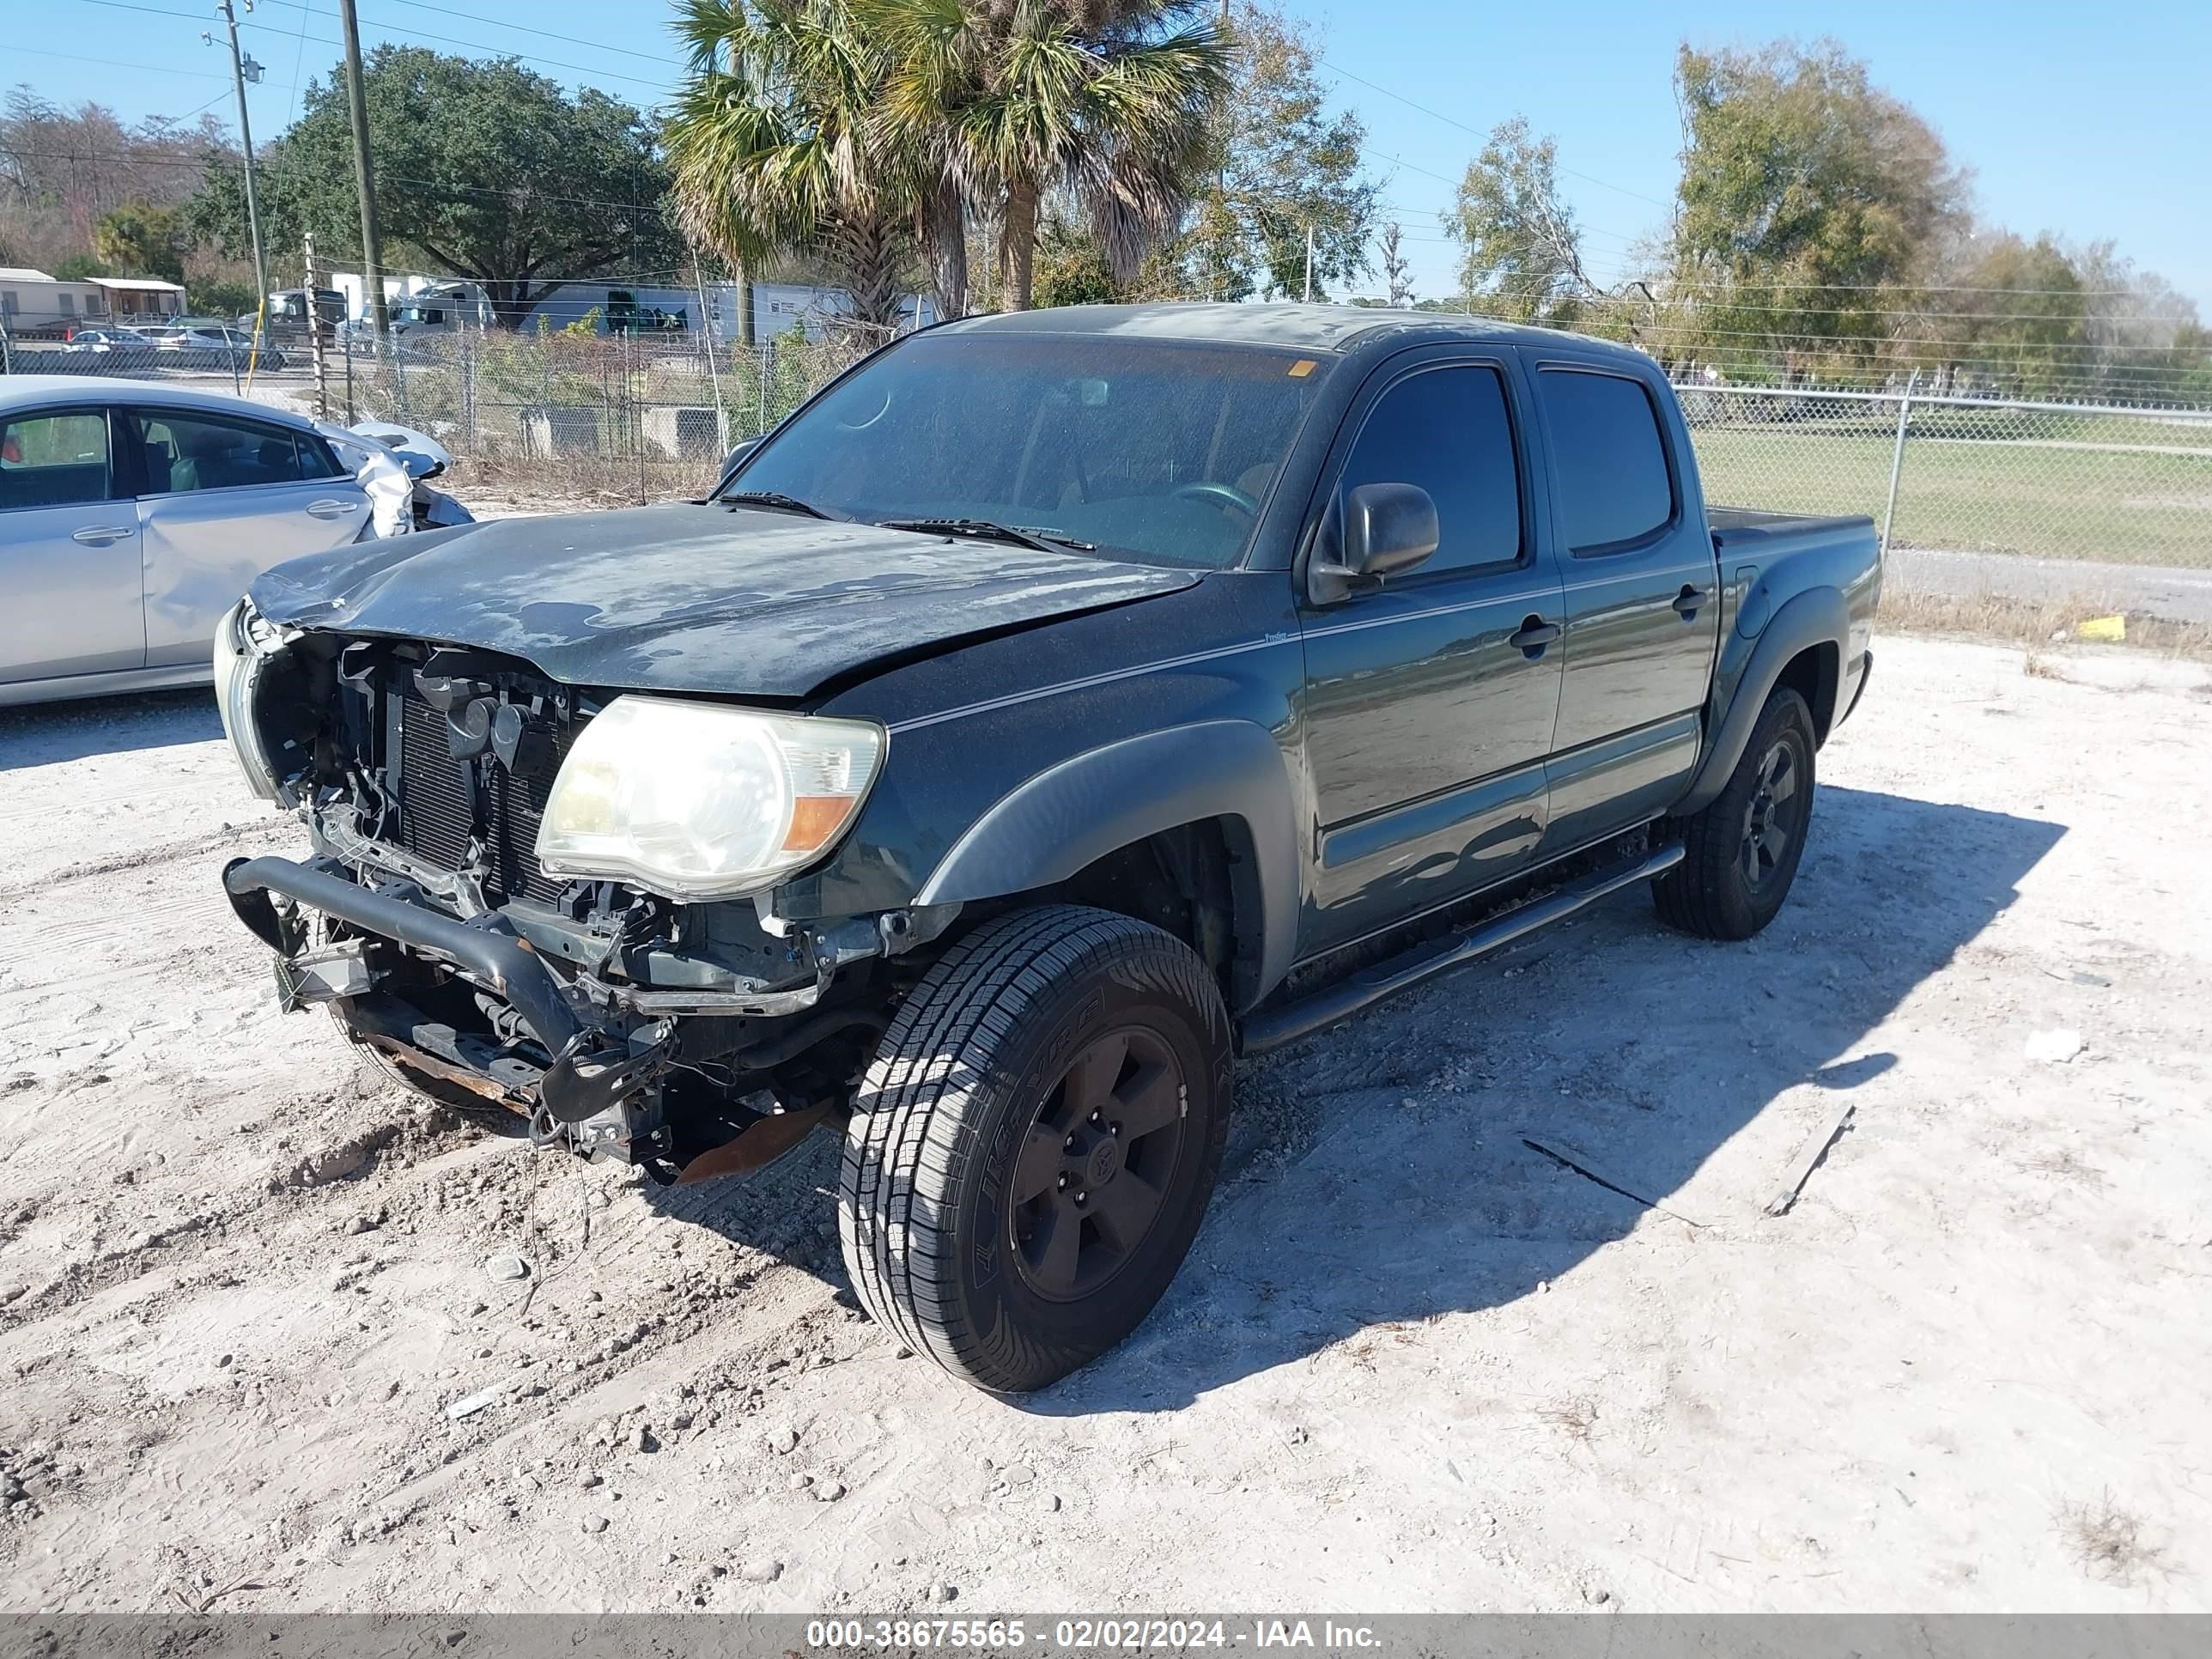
column 247, row 1286
column 2174, row 595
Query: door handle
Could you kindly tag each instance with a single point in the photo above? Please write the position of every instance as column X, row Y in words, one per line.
column 1536, row 633
column 1690, row 600
column 99, row 535
column 330, row 509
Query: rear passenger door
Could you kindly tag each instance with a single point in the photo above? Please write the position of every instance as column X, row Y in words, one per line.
column 1431, row 700
column 222, row 498
column 69, row 549
column 1642, row 590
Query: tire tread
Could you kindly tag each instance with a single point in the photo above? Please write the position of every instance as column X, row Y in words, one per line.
column 914, row 1129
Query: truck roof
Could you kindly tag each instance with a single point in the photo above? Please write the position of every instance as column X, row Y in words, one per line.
column 1306, row 327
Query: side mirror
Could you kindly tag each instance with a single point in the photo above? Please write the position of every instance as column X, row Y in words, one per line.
column 1388, row 529
column 738, row 453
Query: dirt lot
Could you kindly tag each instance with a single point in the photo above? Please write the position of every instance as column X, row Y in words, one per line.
column 1412, row 1363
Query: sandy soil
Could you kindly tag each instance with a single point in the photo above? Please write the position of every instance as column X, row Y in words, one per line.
column 1412, row 1364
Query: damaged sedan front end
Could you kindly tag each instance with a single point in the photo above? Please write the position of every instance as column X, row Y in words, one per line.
column 556, row 899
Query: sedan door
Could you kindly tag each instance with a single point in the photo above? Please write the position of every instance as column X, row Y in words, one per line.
column 68, row 549
column 222, row 498
column 1431, row 700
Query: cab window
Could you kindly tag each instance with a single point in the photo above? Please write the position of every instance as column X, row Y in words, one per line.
column 1614, row 487
column 1448, row 431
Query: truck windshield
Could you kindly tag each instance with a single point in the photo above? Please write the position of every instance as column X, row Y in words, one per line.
column 1160, row 451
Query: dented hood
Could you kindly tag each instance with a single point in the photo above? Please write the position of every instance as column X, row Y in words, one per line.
column 690, row 598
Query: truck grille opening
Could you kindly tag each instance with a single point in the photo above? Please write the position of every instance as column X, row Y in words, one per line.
column 443, row 802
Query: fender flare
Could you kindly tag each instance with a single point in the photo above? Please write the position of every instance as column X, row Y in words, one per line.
column 1816, row 617
column 1073, row 813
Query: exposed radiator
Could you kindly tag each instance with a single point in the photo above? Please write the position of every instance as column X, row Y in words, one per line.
column 438, row 816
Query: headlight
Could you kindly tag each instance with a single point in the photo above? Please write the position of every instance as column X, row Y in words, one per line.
column 699, row 801
column 243, row 643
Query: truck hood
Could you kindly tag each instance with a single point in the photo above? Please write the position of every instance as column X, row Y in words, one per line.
column 692, row 598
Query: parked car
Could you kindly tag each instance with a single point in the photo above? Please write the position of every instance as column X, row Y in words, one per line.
column 170, row 330
column 107, row 339
column 132, row 513
column 1012, row 740
column 217, row 346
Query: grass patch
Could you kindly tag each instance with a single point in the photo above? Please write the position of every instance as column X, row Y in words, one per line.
column 2069, row 498
column 2108, row 1541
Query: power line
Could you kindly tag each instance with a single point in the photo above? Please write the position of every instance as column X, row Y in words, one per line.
column 110, row 63
column 525, row 28
column 478, row 46
column 299, row 56
column 1450, row 121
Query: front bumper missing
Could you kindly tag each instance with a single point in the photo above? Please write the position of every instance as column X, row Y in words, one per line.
column 502, row 964
column 571, row 1059
column 594, row 1071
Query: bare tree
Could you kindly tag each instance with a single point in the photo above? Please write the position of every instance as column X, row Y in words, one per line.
column 1397, row 274
column 1522, row 245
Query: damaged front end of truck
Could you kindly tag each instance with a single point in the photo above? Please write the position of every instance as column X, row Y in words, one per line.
column 558, row 900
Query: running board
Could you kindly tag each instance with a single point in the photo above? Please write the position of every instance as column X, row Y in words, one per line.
column 1370, row 986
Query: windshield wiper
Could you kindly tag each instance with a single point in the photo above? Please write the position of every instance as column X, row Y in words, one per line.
column 982, row 530
column 774, row 498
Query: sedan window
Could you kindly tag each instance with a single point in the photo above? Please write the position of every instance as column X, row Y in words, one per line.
column 198, row 451
column 54, row 460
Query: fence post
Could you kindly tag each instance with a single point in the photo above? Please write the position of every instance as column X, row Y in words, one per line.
column 1897, row 460
column 468, row 384
column 636, row 412
column 315, row 332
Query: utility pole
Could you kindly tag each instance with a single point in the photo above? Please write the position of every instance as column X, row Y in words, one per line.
column 1308, row 264
column 242, row 69
column 364, row 177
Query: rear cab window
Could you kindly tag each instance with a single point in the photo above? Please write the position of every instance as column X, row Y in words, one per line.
column 56, row 457
column 1616, row 490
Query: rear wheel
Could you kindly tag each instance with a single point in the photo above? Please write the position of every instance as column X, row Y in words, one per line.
column 1034, row 1146
column 1740, row 852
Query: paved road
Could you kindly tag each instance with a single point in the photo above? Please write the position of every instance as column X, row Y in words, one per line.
column 2181, row 596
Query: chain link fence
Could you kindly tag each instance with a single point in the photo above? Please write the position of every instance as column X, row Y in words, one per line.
column 642, row 416
column 649, row 415
column 2079, row 481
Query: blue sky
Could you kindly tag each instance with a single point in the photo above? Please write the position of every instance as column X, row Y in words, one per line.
column 2085, row 121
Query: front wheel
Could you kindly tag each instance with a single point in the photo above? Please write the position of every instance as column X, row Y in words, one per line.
column 1740, row 852
column 1033, row 1148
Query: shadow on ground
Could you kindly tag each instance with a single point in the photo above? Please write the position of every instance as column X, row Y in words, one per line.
column 51, row 734
column 1379, row 1174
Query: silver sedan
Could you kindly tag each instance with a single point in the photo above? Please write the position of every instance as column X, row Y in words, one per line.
column 133, row 514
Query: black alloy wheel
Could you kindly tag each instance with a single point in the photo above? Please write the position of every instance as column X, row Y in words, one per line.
column 1094, row 1169
column 1774, row 817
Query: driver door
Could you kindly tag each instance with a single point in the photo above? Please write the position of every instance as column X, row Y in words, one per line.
column 1430, row 700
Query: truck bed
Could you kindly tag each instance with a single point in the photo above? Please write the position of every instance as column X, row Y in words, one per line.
column 1750, row 531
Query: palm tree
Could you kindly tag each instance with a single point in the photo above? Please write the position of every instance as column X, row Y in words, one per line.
column 778, row 146
column 1107, row 99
